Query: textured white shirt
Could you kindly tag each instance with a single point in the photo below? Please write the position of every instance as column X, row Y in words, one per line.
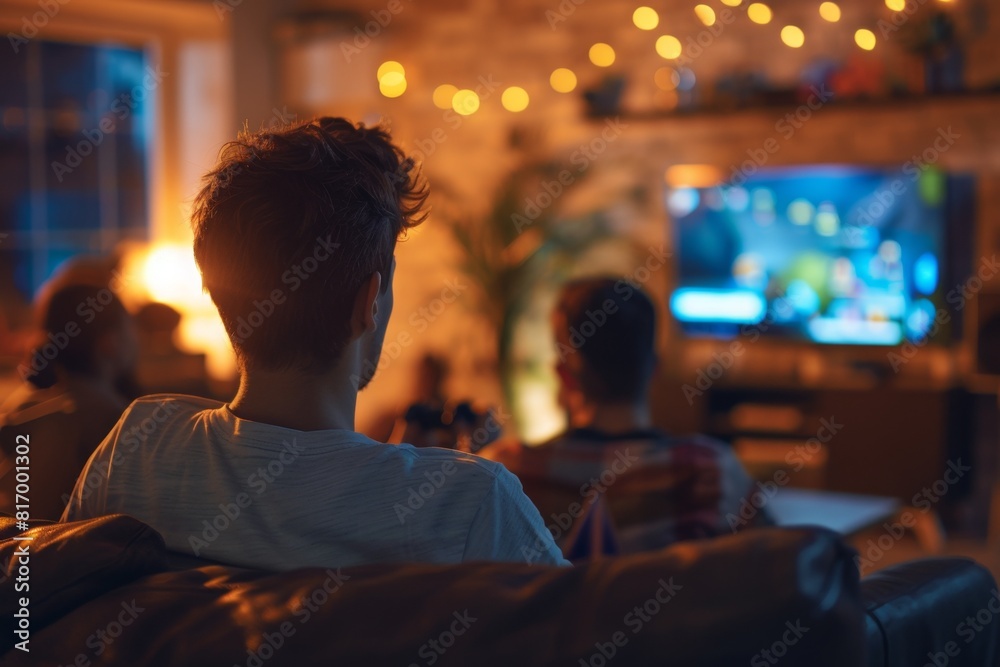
column 241, row 492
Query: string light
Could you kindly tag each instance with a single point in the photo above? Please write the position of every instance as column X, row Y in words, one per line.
column 563, row 80
column 392, row 84
column 666, row 78
column 465, row 102
column 443, row 95
column 830, row 11
column 896, row 5
column 645, row 18
column 793, row 36
column 668, row 47
column 514, row 99
column 705, row 14
column 389, row 67
column 602, row 54
column 759, row 13
column 865, row 39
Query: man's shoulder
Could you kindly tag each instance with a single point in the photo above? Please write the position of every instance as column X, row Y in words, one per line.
column 439, row 457
column 148, row 413
column 168, row 404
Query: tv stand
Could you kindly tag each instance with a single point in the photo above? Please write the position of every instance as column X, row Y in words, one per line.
column 840, row 421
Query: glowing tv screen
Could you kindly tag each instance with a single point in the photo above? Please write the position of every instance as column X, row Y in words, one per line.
column 825, row 254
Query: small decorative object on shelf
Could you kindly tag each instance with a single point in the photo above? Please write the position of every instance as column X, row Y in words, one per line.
column 605, row 100
column 935, row 39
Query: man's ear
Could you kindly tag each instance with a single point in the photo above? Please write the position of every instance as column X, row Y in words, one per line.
column 364, row 317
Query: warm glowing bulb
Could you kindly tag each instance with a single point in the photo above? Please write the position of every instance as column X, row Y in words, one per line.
column 896, row 5
column 705, row 14
column 389, row 67
column 732, row 3
column 465, row 102
column 830, row 11
column 668, row 47
column 392, row 84
column 645, row 18
column 865, row 39
column 759, row 13
column 563, row 80
column 793, row 36
column 443, row 95
column 602, row 54
column 514, row 99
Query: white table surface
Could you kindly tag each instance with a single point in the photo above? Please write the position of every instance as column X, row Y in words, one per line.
column 845, row 513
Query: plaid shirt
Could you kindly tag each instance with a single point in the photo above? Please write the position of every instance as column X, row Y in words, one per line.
column 660, row 488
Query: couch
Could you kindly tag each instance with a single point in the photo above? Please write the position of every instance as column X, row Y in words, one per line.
column 107, row 592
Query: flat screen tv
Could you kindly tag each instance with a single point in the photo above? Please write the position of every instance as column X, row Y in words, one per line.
column 835, row 255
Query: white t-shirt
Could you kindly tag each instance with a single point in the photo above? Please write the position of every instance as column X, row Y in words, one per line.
column 242, row 492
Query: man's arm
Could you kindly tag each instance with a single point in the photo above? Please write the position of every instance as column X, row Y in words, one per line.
column 508, row 527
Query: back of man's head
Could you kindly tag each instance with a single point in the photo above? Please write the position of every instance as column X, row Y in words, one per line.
column 290, row 225
column 610, row 325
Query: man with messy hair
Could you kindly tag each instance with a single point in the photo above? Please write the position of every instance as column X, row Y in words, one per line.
column 294, row 233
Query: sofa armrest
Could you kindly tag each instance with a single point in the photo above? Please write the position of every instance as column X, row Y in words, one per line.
column 942, row 612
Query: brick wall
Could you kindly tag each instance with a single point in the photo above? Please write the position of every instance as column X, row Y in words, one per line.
column 519, row 43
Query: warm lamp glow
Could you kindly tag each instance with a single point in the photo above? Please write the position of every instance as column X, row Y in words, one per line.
column 896, row 5
column 668, row 47
column 514, row 99
column 645, row 18
column 865, row 39
column 705, row 14
column 167, row 273
column 198, row 333
column 537, row 398
column 793, row 36
column 170, row 275
column 563, row 80
column 759, row 13
column 443, row 95
column 390, row 66
column 732, row 3
column 392, row 84
column 830, row 11
column 465, row 102
column 602, row 54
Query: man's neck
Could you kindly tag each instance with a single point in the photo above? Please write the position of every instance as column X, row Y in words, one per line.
column 620, row 418
column 300, row 402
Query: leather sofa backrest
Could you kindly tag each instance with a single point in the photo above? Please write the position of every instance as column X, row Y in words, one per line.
column 67, row 565
column 746, row 599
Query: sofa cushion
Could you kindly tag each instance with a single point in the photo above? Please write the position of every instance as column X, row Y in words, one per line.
column 69, row 564
column 761, row 595
column 933, row 612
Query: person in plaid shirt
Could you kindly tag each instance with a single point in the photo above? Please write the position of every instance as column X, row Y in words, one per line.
column 660, row 488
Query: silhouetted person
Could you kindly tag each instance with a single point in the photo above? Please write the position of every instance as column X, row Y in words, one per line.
column 295, row 232
column 75, row 387
column 660, row 488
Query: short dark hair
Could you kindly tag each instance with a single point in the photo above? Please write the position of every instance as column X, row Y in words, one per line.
column 611, row 324
column 290, row 224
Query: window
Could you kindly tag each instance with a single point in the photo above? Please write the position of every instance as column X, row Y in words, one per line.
column 75, row 125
